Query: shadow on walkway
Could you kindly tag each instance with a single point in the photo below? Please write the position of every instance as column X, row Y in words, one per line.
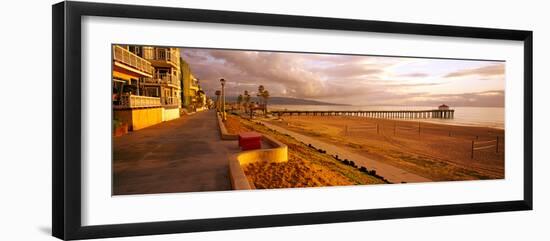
column 182, row 155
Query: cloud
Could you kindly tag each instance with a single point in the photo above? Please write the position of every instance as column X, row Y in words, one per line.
column 339, row 70
column 294, row 75
column 492, row 98
column 360, row 80
column 415, row 75
column 485, row 71
column 412, row 84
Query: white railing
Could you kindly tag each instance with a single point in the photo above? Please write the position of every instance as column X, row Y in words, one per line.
column 137, row 101
column 151, row 80
column 124, row 56
column 169, row 55
column 169, row 100
column 168, row 78
column 163, row 78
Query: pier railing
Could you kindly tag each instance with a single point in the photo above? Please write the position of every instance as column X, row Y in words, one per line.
column 389, row 114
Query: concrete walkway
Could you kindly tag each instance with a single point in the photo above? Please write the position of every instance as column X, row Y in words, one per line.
column 391, row 173
column 182, row 155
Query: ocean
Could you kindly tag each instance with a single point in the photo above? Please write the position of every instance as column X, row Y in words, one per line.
column 466, row 116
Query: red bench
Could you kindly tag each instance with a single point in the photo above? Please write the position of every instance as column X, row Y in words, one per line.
column 250, row 140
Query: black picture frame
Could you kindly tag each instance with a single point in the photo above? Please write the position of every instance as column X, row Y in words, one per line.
column 66, row 127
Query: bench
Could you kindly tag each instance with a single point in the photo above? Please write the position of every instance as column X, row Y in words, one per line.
column 250, row 140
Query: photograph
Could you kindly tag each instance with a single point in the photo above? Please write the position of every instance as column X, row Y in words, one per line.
column 189, row 119
column 228, row 120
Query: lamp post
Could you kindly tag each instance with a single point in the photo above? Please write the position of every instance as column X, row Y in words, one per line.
column 222, row 81
column 218, row 100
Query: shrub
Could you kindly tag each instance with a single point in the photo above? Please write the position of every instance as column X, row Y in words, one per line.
column 363, row 169
column 117, row 123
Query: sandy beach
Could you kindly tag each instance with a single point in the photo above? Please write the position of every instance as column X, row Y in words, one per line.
column 435, row 151
column 306, row 167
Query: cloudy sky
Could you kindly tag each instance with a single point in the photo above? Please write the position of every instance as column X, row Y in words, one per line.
column 346, row 79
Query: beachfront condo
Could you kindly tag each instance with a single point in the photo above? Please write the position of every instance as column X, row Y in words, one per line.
column 192, row 96
column 146, row 85
column 165, row 82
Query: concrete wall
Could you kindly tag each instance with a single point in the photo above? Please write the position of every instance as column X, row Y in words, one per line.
column 224, row 135
column 239, row 181
column 139, row 118
column 170, row 114
column 279, row 153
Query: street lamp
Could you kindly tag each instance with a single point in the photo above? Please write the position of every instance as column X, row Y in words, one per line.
column 218, row 100
column 222, row 81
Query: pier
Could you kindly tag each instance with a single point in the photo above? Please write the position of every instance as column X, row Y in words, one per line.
column 386, row 114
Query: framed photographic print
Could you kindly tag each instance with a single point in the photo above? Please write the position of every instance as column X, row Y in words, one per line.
column 169, row 120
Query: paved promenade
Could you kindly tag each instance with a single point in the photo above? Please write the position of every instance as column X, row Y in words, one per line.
column 182, row 155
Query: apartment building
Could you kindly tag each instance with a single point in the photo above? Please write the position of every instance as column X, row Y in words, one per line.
column 146, row 85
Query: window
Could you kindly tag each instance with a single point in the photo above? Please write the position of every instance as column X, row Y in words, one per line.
column 135, row 49
column 152, row 92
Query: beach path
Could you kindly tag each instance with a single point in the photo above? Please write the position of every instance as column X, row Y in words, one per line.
column 391, row 173
column 181, row 155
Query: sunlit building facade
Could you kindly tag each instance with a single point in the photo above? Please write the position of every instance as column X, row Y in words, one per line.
column 146, row 85
column 191, row 99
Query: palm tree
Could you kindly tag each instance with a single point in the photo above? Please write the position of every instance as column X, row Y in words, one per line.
column 265, row 96
column 260, row 92
column 239, row 101
column 246, row 100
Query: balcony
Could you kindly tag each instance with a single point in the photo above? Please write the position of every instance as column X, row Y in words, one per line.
column 193, row 83
column 137, row 101
column 162, row 55
column 169, row 101
column 130, row 59
column 163, row 78
column 194, row 87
